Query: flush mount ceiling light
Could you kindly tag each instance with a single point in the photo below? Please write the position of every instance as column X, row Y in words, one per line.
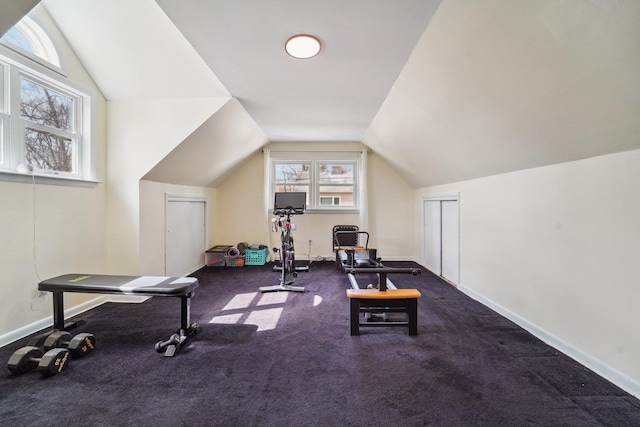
column 302, row 46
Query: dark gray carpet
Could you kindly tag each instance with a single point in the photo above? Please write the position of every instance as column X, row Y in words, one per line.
column 467, row 367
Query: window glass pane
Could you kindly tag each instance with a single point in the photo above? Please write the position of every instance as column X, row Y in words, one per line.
column 47, row 151
column 42, row 105
column 2, row 100
column 2, row 141
column 32, row 39
column 292, row 173
column 329, row 201
column 336, row 195
column 16, row 37
column 283, row 188
column 331, row 173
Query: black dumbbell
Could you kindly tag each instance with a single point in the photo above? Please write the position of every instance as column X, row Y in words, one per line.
column 161, row 345
column 27, row 358
column 78, row 346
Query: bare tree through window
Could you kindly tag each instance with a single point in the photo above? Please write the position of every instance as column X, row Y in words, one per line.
column 50, row 118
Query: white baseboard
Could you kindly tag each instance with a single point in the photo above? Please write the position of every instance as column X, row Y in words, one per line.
column 71, row 312
column 616, row 377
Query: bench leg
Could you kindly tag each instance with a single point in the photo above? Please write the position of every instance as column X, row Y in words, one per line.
column 187, row 329
column 412, row 314
column 354, row 316
column 58, row 311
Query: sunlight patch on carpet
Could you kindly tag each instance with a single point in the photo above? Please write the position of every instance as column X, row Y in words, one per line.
column 242, row 310
column 240, row 301
column 317, row 300
column 266, row 320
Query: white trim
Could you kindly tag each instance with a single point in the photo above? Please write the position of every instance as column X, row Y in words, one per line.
column 82, row 135
column 48, row 179
column 266, row 200
column 47, row 322
column 362, row 191
column 181, row 197
column 445, row 196
column 314, row 181
column 616, row 377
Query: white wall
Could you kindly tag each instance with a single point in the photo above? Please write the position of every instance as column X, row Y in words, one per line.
column 390, row 211
column 141, row 133
column 240, row 216
column 70, row 224
column 556, row 249
column 153, row 221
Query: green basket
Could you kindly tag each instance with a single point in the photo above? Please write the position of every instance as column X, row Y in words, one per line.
column 258, row 257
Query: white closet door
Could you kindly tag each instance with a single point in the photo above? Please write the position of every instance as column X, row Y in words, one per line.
column 185, row 236
column 432, row 235
column 450, row 240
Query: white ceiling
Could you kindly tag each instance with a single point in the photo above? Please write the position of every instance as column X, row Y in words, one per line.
column 444, row 91
column 133, row 51
column 333, row 96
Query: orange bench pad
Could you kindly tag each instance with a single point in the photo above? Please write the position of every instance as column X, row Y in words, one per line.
column 388, row 294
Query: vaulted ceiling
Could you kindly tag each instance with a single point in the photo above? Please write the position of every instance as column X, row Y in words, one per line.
column 444, row 90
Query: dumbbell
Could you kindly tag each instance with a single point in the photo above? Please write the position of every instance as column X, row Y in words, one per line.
column 161, row 345
column 28, row 358
column 78, row 346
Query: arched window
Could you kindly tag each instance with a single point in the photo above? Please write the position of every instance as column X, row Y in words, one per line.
column 29, row 37
column 44, row 116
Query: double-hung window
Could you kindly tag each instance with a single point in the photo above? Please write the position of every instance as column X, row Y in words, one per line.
column 49, row 125
column 42, row 117
column 331, row 185
column 4, row 120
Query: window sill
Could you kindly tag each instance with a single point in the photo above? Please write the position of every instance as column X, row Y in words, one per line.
column 46, row 179
column 328, row 211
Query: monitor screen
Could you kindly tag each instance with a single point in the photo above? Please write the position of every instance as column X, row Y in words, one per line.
column 293, row 202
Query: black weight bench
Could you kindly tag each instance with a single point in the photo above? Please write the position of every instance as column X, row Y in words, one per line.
column 152, row 286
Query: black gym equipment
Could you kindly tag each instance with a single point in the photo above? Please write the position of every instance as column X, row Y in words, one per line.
column 27, row 358
column 161, row 346
column 285, row 205
column 349, row 252
column 79, row 345
column 355, row 258
column 181, row 287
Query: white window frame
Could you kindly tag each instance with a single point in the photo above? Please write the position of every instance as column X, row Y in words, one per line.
column 333, row 200
column 4, row 117
column 75, row 135
column 13, row 126
column 313, row 196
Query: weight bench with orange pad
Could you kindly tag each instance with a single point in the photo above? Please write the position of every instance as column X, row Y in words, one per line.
column 392, row 300
column 152, row 286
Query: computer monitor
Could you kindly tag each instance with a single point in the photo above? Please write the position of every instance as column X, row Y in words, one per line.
column 290, row 203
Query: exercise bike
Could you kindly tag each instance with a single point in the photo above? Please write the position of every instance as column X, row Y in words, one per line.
column 286, row 205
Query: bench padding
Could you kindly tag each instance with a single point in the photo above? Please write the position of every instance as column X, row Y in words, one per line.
column 123, row 285
column 153, row 286
column 388, row 294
